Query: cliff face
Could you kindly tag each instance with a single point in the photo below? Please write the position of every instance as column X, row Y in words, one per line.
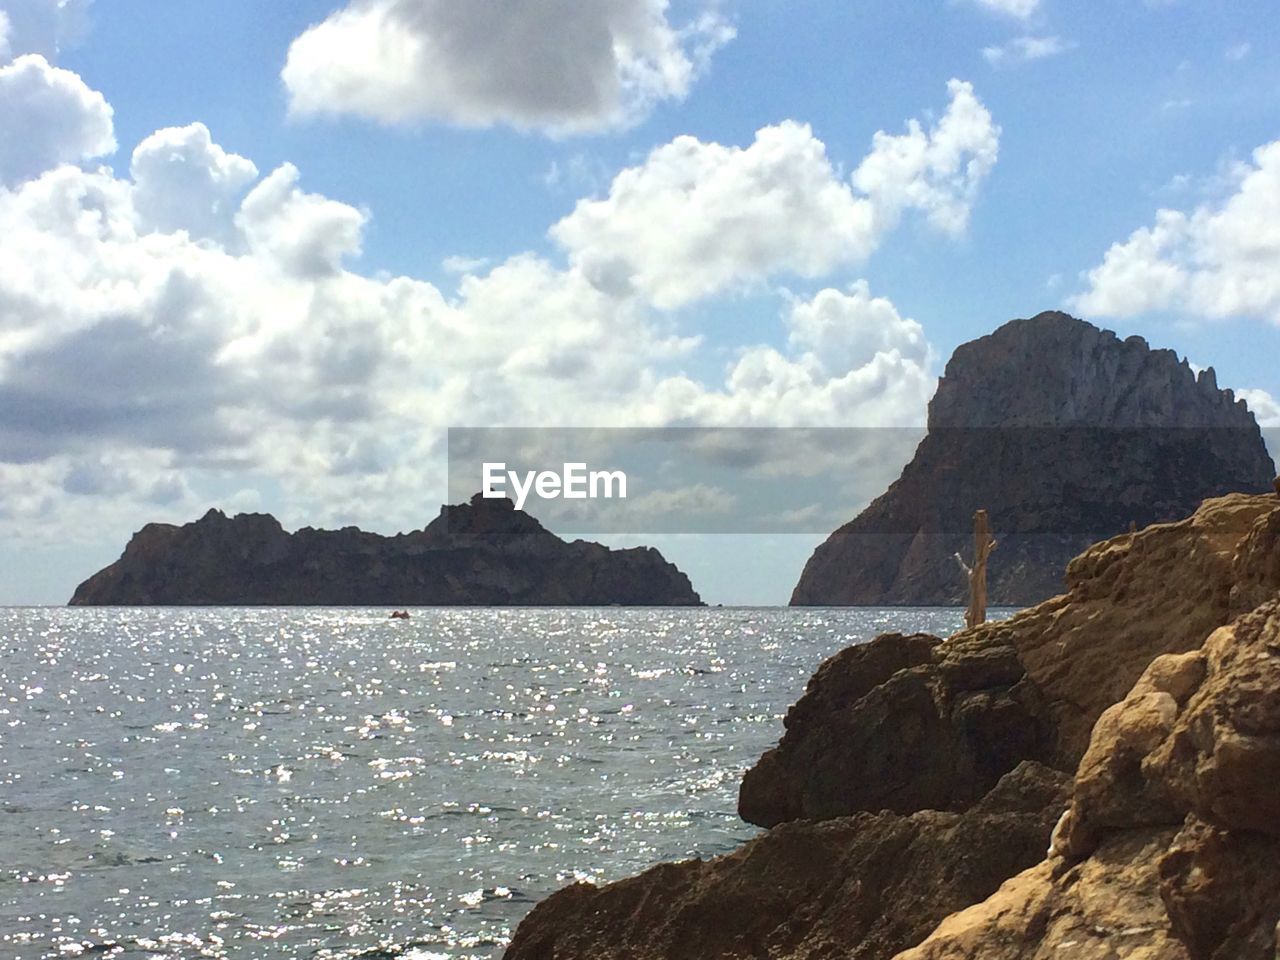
column 909, row 723
column 1170, row 848
column 1066, row 435
column 915, row 770
column 856, row 887
column 482, row 553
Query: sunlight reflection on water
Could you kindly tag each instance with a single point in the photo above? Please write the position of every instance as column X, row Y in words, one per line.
column 330, row 783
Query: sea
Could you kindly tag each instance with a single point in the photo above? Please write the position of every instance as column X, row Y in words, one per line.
column 331, row 783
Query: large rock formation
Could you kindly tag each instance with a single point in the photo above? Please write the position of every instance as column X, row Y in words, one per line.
column 909, row 723
column 1170, row 849
column 859, row 887
column 482, row 553
column 1066, row 435
column 1155, row 681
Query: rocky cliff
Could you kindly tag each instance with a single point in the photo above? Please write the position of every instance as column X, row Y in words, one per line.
column 915, row 770
column 482, row 553
column 1066, row 435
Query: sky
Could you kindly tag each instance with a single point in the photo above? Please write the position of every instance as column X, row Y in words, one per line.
column 262, row 256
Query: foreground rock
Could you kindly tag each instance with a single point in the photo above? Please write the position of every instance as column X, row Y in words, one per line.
column 903, row 723
column 910, row 723
column 1067, row 435
column 1171, row 846
column 905, row 785
column 482, row 553
column 858, row 887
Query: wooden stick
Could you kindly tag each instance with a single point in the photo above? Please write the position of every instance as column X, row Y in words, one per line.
column 982, row 547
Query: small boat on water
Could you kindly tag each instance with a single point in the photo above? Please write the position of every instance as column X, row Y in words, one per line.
column 399, row 614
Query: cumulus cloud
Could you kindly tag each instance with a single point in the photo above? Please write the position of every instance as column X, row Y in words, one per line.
column 61, row 119
column 697, row 218
column 1265, row 407
column 843, row 331
column 190, row 331
column 182, row 180
column 1221, row 259
column 303, row 233
column 6, row 27
column 937, row 171
column 554, row 65
column 1025, row 49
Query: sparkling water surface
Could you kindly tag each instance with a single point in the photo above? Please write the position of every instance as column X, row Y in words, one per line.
column 330, row 783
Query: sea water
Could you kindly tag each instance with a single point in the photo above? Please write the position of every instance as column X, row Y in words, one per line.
column 331, row 783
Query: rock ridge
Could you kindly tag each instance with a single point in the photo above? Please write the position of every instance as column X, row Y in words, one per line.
column 480, row 553
column 915, row 769
column 1067, row 435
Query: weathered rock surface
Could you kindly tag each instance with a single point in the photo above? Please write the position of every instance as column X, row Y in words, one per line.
column 903, row 723
column 1105, row 908
column 1155, row 678
column 858, row 887
column 1171, row 845
column 909, row 723
column 485, row 552
column 1066, row 435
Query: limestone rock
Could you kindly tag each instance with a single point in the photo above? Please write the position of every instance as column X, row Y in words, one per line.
column 858, row 887
column 903, row 723
column 1066, row 435
column 1149, row 678
column 1160, row 590
column 910, row 723
column 484, row 552
column 1106, row 908
column 1171, row 846
column 1199, row 734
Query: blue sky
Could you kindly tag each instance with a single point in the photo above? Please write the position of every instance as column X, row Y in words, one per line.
column 236, row 334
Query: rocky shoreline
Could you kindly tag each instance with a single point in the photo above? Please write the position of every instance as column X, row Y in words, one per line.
column 915, row 791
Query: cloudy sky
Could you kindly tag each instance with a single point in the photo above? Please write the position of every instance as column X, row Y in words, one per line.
column 260, row 256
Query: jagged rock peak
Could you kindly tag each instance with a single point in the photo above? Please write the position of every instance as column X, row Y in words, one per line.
column 1066, row 435
column 1056, row 370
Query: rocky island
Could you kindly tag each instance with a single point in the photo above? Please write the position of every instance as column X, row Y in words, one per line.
column 1097, row 778
column 482, row 553
column 1066, row 435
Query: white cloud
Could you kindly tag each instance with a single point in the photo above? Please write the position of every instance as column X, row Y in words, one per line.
column 302, row 233
column 46, row 27
column 61, row 119
column 457, row 264
column 6, row 50
column 1238, row 51
column 189, row 333
column 554, row 65
column 1265, row 407
column 851, row 359
column 938, row 171
column 698, row 218
column 1025, row 49
column 1021, row 9
column 1220, row 260
column 846, row 331
column 185, row 181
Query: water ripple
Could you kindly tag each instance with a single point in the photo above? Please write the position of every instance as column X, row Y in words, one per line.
column 332, row 784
